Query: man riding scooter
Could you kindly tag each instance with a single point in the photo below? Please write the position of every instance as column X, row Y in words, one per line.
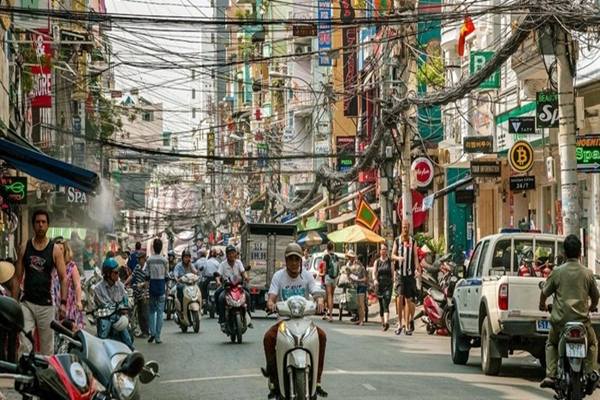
column 288, row 282
column 573, row 286
column 184, row 267
column 231, row 269
column 210, row 268
column 111, row 294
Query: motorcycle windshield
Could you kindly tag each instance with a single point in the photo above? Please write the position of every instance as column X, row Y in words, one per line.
column 97, row 354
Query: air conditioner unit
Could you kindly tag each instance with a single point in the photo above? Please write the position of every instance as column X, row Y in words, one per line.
column 302, row 49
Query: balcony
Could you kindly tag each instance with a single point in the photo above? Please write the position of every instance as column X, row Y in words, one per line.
column 527, row 62
column 302, row 102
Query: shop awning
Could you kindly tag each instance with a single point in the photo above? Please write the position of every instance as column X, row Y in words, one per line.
column 46, row 168
column 428, row 201
column 355, row 234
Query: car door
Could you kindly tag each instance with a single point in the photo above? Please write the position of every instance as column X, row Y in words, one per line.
column 462, row 293
column 474, row 289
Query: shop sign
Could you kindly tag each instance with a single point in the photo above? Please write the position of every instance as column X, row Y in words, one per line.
column 466, row 196
column 546, row 112
column 41, row 94
column 477, row 61
column 522, row 125
column 345, row 148
column 479, row 144
column 13, row 189
column 367, row 176
column 262, row 151
column 485, row 169
column 518, row 183
column 422, row 168
column 419, row 215
column 520, row 156
column 350, row 57
column 587, row 153
column 324, row 32
column 304, row 30
column 76, row 196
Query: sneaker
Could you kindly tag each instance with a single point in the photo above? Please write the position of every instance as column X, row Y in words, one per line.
column 398, row 331
column 250, row 325
column 548, row 382
column 223, row 326
column 158, row 341
column 321, row 392
column 151, row 339
column 412, row 326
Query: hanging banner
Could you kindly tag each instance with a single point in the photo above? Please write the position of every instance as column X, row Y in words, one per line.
column 478, row 61
column 349, row 41
column 345, row 148
column 324, row 32
column 41, row 94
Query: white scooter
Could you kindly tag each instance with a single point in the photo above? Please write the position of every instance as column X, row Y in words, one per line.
column 188, row 313
column 297, row 350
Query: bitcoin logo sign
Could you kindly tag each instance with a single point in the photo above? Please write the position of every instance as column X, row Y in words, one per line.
column 521, row 156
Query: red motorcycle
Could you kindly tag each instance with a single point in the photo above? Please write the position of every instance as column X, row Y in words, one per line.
column 235, row 311
column 437, row 310
column 61, row 376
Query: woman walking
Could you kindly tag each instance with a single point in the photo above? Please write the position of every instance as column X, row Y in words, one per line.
column 358, row 277
column 384, row 282
column 74, row 310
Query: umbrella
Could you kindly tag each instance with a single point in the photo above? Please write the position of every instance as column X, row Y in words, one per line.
column 311, row 238
column 355, row 234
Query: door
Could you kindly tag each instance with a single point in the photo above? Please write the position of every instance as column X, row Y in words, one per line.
column 474, row 291
column 462, row 294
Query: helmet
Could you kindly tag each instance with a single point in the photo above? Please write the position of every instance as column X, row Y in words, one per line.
column 186, row 252
column 171, row 253
column 121, row 324
column 110, row 264
column 230, row 248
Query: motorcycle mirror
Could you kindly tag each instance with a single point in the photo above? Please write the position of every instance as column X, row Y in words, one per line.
column 133, row 364
column 11, row 314
column 149, row 372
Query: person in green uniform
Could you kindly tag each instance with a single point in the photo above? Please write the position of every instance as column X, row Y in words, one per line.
column 573, row 286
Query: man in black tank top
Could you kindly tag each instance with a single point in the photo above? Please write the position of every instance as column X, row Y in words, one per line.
column 38, row 257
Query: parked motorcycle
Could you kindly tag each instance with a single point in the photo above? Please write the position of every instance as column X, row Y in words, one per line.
column 297, row 350
column 235, row 311
column 118, row 369
column 210, row 306
column 170, row 301
column 188, row 313
column 60, row 376
column 571, row 382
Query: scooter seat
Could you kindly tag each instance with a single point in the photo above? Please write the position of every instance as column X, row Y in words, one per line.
column 437, row 295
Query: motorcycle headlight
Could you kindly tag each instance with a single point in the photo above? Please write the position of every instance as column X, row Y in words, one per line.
column 296, row 308
column 78, row 375
column 190, row 291
column 116, row 360
column 124, row 385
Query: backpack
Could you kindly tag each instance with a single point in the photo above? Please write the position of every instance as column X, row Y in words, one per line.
column 333, row 269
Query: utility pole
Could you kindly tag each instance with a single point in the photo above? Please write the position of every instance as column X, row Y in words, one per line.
column 569, row 187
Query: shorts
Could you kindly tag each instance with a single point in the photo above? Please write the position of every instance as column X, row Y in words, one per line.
column 407, row 287
column 361, row 289
column 329, row 281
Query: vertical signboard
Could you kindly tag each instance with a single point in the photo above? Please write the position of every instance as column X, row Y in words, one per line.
column 349, row 41
column 324, row 32
column 262, row 152
column 41, row 94
column 546, row 111
column 345, row 148
column 477, row 61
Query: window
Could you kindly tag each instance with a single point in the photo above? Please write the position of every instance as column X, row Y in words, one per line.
column 166, row 138
column 544, row 252
column 146, row 223
column 193, row 74
column 148, row 116
column 523, row 252
column 502, row 255
column 481, row 262
column 193, row 93
column 131, row 225
column 137, row 225
column 474, row 261
column 194, row 113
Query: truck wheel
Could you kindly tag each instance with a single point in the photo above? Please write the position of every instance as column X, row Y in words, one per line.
column 458, row 340
column 489, row 365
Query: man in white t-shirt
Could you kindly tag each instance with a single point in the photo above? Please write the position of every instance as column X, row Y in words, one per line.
column 230, row 270
column 288, row 282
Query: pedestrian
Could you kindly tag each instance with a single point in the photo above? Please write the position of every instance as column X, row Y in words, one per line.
column 331, row 275
column 306, row 259
column 132, row 262
column 74, row 309
column 157, row 267
column 38, row 257
column 383, row 273
column 77, row 247
column 141, row 293
column 405, row 254
column 358, row 277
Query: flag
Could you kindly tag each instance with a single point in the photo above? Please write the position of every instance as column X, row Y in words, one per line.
column 465, row 30
column 366, row 216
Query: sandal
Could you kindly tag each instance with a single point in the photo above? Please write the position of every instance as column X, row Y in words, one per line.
column 398, row 331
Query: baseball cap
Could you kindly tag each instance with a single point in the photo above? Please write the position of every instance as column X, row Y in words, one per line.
column 293, row 249
column 230, row 248
column 110, row 263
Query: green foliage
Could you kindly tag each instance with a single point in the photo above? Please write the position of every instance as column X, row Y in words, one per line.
column 106, row 122
column 437, row 246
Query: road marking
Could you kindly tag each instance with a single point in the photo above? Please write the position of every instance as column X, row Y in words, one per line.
column 369, row 387
column 212, row 378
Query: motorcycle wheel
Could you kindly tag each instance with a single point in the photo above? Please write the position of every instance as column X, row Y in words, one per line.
column 169, row 309
column 239, row 328
column 299, row 379
column 576, row 389
column 430, row 329
column 196, row 321
column 447, row 318
column 211, row 311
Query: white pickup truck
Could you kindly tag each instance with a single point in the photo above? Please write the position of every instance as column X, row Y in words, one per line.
column 495, row 308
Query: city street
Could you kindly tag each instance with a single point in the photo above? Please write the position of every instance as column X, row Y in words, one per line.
column 361, row 363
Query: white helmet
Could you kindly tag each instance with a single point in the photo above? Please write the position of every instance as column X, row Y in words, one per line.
column 121, row 324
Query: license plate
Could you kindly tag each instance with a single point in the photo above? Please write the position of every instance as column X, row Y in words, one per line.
column 211, row 292
column 576, row 350
column 542, row 325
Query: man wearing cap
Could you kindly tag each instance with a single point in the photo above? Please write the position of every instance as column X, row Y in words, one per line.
column 288, row 282
column 231, row 269
column 111, row 293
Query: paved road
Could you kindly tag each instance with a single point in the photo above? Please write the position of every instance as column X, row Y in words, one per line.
column 361, row 363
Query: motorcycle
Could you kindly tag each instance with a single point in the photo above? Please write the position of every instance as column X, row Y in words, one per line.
column 235, row 311
column 297, row 350
column 61, row 376
column 188, row 313
column 571, row 382
column 170, row 301
column 108, row 313
column 210, row 306
column 117, row 369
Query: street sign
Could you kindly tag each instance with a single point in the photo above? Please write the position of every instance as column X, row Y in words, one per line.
column 478, row 61
column 304, row 30
column 587, row 152
column 524, row 182
column 423, row 170
column 520, row 156
column 479, row 144
column 546, row 113
column 522, row 125
column 486, row 168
